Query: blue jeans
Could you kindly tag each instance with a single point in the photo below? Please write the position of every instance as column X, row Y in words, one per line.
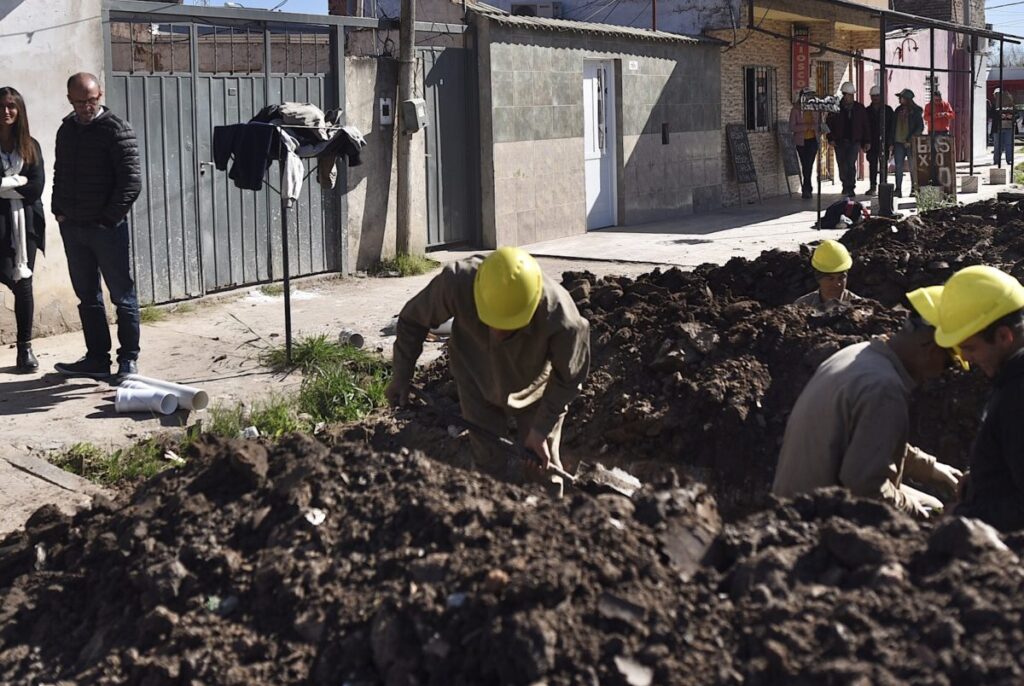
column 899, row 155
column 94, row 251
column 846, row 156
column 1004, row 143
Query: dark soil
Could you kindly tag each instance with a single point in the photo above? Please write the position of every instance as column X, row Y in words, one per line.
column 697, row 371
column 361, row 563
column 223, row 572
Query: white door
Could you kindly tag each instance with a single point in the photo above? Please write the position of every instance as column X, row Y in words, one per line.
column 599, row 143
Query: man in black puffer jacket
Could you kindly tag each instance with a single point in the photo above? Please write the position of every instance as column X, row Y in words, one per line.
column 96, row 178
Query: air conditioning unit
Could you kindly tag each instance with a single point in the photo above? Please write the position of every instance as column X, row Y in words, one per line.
column 548, row 10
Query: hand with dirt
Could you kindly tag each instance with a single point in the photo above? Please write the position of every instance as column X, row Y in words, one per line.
column 946, row 478
column 397, row 393
column 538, row 444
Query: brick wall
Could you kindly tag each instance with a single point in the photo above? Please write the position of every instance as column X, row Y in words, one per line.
column 756, row 50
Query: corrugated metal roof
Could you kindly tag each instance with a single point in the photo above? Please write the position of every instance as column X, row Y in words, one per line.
column 500, row 16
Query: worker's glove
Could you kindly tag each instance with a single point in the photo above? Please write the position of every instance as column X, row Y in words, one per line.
column 397, row 393
column 537, row 443
column 918, row 510
column 947, row 478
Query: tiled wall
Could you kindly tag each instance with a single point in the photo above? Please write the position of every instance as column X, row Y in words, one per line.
column 534, row 100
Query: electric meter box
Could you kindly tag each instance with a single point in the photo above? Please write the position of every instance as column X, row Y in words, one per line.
column 414, row 115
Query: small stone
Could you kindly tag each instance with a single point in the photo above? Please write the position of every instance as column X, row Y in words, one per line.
column 964, row 538
column 613, row 607
column 496, row 580
column 635, row 673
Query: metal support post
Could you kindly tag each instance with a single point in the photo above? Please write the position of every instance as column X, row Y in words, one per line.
column 407, row 60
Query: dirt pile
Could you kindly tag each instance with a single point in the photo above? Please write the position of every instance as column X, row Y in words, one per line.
column 684, row 376
column 699, row 370
column 828, row 589
column 303, row 564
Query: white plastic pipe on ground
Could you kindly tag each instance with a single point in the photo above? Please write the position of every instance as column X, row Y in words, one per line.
column 189, row 397
column 147, row 399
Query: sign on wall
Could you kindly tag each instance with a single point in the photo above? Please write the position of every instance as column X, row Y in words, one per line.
column 739, row 148
column 944, row 165
column 801, row 59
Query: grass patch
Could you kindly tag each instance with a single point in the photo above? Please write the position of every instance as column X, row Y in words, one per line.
column 340, row 383
column 150, row 314
column 1018, row 173
column 312, row 353
column 345, row 392
column 406, row 265
column 272, row 289
column 932, row 198
column 185, row 307
column 118, row 468
column 274, row 417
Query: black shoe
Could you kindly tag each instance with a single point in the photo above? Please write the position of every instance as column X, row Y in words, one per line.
column 93, row 369
column 871, row 192
column 26, row 361
column 126, row 367
column 806, row 195
column 897, row 193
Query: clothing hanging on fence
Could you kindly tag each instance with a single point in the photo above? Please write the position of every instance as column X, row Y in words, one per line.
column 250, row 145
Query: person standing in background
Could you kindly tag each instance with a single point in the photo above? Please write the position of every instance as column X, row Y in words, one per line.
column 850, row 134
column 806, row 130
column 1004, row 127
column 909, row 123
column 96, row 179
column 878, row 151
column 942, row 113
column 22, row 223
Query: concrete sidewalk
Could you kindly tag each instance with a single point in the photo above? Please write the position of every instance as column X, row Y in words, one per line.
column 742, row 231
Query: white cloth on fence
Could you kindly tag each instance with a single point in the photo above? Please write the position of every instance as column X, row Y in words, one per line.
column 11, row 181
column 294, row 170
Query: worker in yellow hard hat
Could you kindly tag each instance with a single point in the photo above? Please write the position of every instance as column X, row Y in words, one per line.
column 980, row 310
column 831, row 262
column 518, row 347
column 851, row 423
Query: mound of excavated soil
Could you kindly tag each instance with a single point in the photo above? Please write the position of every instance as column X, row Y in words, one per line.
column 699, row 370
column 303, row 564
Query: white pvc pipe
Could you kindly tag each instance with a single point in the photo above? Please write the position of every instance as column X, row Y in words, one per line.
column 189, row 397
column 147, row 399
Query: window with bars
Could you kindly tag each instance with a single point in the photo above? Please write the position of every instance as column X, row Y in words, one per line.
column 759, row 98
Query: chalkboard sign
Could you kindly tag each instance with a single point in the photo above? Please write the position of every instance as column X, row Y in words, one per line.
column 790, row 160
column 945, row 162
column 739, row 147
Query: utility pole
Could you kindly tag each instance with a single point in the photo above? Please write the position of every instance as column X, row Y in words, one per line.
column 406, row 63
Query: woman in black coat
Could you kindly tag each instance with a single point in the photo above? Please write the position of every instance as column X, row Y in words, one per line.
column 22, row 227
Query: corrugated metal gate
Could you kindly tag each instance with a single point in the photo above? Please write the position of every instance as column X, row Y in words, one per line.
column 193, row 232
column 451, row 113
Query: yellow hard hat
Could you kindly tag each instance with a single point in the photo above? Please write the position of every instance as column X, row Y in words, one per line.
column 831, row 257
column 926, row 301
column 972, row 299
column 507, row 289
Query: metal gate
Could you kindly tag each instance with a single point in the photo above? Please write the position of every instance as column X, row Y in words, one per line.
column 451, row 111
column 192, row 231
